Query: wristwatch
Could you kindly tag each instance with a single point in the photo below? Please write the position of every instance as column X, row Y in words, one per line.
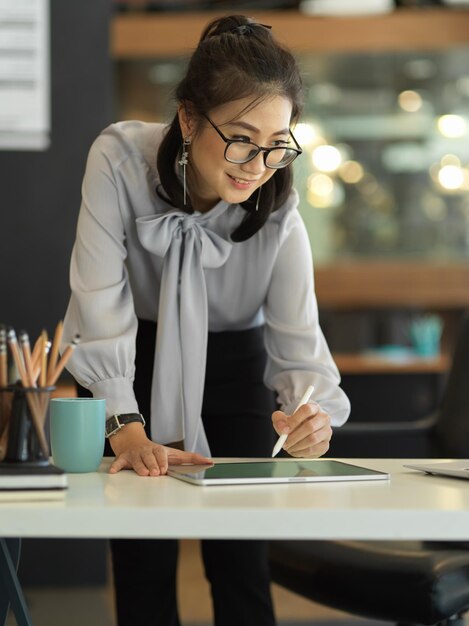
column 116, row 422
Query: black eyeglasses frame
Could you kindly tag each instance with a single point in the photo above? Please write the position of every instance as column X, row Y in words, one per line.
column 265, row 151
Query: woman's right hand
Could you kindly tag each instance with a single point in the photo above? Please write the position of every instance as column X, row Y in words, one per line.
column 135, row 451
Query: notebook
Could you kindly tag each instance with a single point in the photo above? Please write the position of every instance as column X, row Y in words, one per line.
column 456, row 469
column 31, row 495
column 262, row 472
column 24, row 481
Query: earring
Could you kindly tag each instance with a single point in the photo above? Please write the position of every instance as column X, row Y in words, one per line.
column 183, row 161
column 258, row 198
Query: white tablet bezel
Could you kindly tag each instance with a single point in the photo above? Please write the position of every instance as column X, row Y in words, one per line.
column 182, row 472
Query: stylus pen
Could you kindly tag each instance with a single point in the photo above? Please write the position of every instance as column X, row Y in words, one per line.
column 281, row 440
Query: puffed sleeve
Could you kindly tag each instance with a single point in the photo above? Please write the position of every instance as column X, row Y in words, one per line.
column 101, row 306
column 298, row 355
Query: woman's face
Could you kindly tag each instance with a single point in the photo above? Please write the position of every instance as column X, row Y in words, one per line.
column 210, row 176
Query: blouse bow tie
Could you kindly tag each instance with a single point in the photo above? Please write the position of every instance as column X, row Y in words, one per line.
column 187, row 248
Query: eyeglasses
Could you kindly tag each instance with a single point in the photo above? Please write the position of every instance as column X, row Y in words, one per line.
column 243, row 150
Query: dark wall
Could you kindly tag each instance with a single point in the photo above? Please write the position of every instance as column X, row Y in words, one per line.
column 40, row 191
column 39, row 201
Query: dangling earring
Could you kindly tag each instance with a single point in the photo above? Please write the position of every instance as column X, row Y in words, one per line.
column 183, row 161
column 258, row 198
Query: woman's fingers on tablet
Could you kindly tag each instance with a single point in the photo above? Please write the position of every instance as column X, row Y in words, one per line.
column 177, row 457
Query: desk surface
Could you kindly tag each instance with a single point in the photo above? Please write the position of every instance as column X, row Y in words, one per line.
column 410, row 505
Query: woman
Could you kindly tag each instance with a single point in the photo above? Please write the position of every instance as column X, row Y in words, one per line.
column 192, row 273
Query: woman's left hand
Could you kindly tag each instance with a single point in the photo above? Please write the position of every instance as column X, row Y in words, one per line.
column 309, row 430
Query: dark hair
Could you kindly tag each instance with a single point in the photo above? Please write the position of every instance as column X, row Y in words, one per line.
column 235, row 58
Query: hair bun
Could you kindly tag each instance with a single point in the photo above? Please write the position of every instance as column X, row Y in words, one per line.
column 232, row 24
column 248, row 29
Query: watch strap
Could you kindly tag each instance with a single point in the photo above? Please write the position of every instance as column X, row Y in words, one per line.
column 118, row 421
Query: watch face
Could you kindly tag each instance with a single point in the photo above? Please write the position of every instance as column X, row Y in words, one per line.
column 116, row 422
column 112, row 425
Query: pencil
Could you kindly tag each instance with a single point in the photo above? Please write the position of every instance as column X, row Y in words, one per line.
column 43, row 371
column 26, row 348
column 54, row 352
column 37, row 367
column 66, row 356
column 13, row 345
column 36, row 352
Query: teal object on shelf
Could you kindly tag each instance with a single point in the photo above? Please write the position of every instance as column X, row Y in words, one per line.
column 391, row 352
column 425, row 334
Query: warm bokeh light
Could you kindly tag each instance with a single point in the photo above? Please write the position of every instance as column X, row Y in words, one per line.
column 307, row 134
column 320, row 184
column 450, row 159
column 346, row 151
column 452, row 125
column 351, row 172
column 451, row 177
column 326, row 158
column 324, row 192
column 410, row 101
column 465, row 182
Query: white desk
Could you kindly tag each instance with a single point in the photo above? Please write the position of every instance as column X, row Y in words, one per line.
column 409, row 506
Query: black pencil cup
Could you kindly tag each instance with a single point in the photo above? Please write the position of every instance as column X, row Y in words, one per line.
column 23, row 413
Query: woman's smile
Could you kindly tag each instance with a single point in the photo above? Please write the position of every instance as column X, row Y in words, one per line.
column 242, row 183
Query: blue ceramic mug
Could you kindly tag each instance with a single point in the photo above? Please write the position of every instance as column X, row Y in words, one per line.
column 77, row 433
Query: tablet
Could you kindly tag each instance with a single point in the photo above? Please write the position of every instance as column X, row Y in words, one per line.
column 257, row 472
column 454, row 469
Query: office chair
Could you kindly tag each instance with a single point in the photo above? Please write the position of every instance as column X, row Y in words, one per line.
column 401, row 582
column 444, row 433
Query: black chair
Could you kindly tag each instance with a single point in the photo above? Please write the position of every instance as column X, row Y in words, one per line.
column 442, row 433
column 401, row 582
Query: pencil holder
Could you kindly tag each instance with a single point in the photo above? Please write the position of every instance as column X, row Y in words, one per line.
column 23, row 413
column 6, row 399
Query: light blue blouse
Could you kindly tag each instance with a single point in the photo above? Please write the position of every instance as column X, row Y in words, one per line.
column 137, row 257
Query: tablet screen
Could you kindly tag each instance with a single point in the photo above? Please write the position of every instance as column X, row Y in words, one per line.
column 276, row 471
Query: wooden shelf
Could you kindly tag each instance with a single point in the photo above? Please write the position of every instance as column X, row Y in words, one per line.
column 362, row 364
column 354, row 285
column 149, row 35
